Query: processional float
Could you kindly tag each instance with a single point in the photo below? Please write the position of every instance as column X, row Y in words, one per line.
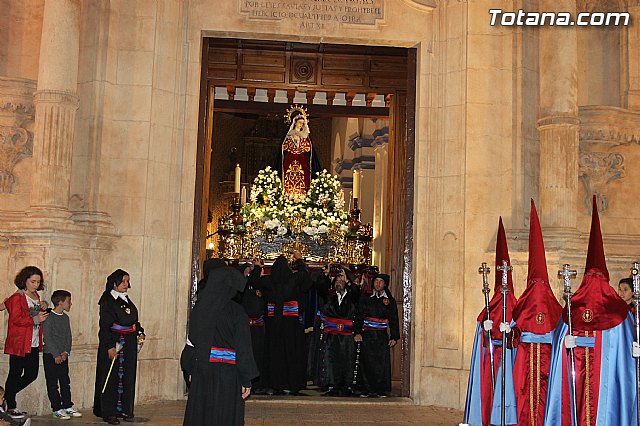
column 315, row 222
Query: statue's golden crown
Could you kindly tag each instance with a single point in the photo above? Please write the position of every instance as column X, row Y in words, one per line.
column 295, row 111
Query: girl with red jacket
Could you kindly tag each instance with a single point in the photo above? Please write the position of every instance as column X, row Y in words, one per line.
column 24, row 334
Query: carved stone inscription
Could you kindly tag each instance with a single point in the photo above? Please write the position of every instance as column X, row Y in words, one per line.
column 315, row 14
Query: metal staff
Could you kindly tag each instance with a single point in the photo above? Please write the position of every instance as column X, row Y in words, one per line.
column 635, row 271
column 485, row 270
column 566, row 275
column 354, row 382
column 505, row 268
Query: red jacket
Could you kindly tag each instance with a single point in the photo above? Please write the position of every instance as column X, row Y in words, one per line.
column 20, row 327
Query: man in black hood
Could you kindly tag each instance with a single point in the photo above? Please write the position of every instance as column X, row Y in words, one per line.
column 255, row 307
column 222, row 365
column 285, row 292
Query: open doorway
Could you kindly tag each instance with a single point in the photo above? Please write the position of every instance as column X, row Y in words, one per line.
column 360, row 102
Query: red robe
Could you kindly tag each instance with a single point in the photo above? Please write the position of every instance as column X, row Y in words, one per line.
column 296, row 166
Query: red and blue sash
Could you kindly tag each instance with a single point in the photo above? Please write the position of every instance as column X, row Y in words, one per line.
column 271, row 309
column 375, row 324
column 290, row 309
column 340, row 326
column 256, row 322
column 123, row 329
column 223, row 355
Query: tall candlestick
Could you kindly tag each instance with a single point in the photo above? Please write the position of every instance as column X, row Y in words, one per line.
column 243, row 196
column 236, row 187
column 356, row 184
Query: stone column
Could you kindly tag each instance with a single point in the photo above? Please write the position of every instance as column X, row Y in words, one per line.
column 633, row 56
column 559, row 124
column 380, row 146
column 56, row 104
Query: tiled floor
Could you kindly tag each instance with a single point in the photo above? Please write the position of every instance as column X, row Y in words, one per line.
column 294, row 411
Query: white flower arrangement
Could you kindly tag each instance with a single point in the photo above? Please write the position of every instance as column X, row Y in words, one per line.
column 314, row 213
column 266, row 188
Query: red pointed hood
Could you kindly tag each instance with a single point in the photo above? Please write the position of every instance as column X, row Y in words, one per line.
column 537, row 310
column 495, row 305
column 595, row 252
column 596, row 305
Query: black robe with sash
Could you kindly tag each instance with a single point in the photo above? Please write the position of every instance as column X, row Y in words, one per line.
column 118, row 324
column 255, row 307
column 285, row 293
column 317, row 357
column 338, row 329
column 375, row 364
column 222, row 361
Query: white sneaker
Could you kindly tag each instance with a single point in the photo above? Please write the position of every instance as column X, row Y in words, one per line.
column 72, row 412
column 61, row 415
column 15, row 413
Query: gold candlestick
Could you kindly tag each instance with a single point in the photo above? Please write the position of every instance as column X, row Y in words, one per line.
column 354, row 221
column 236, row 217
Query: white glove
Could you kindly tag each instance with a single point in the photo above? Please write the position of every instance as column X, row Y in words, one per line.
column 635, row 350
column 569, row 341
column 487, row 325
column 505, row 327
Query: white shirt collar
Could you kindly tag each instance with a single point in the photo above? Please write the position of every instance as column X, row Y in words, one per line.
column 54, row 312
column 117, row 294
column 341, row 297
column 379, row 295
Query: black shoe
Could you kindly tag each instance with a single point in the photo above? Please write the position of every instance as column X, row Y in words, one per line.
column 382, row 395
column 277, row 393
column 126, row 417
column 259, row 392
column 112, row 420
column 373, row 395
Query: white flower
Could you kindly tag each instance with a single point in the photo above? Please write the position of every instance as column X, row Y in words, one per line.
column 281, row 230
column 314, row 222
column 272, row 223
column 310, row 230
column 322, row 229
column 344, row 228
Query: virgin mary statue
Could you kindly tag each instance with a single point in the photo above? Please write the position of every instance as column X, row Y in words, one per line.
column 296, row 160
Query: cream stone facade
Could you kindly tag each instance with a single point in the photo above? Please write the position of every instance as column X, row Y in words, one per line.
column 99, row 107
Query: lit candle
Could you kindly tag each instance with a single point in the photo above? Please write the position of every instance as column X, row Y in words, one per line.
column 356, row 184
column 243, row 196
column 236, row 187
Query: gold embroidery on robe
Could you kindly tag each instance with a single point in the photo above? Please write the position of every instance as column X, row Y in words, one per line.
column 294, row 179
column 290, row 146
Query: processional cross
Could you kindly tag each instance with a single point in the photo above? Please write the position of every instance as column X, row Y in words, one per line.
column 566, row 274
column 505, row 268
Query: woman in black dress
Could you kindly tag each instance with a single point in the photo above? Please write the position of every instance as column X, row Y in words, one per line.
column 120, row 337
